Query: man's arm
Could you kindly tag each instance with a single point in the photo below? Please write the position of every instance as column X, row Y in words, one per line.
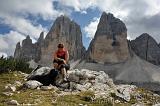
column 66, row 57
column 55, row 55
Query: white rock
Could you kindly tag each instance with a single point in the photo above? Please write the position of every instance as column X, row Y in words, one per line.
column 99, row 87
column 73, row 77
column 15, row 75
column 32, row 84
column 18, row 83
column 80, row 104
column 38, row 88
column 80, row 87
column 24, row 74
column 110, row 83
column 29, row 104
column 72, row 85
column 117, row 101
column 84, row 81
column 13, row 88
column 78, row 73
column 88, row 74
column 13, row 102
column 7, row 86
column 64, row 85
column 55, row 88
column 83, row 87
column 101, row 94
column 102, row 77
column 7, row 93
column 125, row 91
column 46, row 87
column 125, row 96
column 40, row 71
column 87, row 85
column 10, row 87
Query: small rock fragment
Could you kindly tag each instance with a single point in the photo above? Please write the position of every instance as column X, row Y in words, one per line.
column 7, row 93
column 13, row 102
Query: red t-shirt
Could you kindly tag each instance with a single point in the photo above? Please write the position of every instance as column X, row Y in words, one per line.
column 61, row 54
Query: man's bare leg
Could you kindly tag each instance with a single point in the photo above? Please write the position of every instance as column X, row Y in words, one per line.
column 64, row 73
column 55, row 65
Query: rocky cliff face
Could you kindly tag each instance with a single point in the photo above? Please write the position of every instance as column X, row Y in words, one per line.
column 63, row 31
column 24, row 51
column 28, row 51
column 146, row 48
column 17, row 51
column 110, row 42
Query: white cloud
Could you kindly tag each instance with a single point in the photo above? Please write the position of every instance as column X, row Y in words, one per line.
column 14, row 14
column 23, row 26
column 78, row 5
column 103, row 5
column 154, row 7
column 91, row 28
column 71, row 3
column 4, row 44
column 3, row 54
column 8, row 42
column 43, row 8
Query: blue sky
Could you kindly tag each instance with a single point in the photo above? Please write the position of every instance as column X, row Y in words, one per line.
column 20, row 18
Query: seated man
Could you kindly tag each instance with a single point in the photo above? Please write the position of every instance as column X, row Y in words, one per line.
column 60, row 61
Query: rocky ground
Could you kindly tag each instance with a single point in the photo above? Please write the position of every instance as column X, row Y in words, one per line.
column 84, row 88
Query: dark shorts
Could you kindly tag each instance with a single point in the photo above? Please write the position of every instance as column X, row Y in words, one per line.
column 58, row 61
column 62, row 65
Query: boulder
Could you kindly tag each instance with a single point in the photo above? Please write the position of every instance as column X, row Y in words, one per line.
column 32, row 84
column 39, row 72
column 44, row 75
column 73, row 77
column 13, row 102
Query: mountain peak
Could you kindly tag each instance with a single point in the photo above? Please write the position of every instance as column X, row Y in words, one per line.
column 110, row 41
column 146, row 47
column 109, row 25
column 41, row 37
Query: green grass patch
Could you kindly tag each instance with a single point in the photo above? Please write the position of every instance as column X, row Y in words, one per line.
column 85, row 98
